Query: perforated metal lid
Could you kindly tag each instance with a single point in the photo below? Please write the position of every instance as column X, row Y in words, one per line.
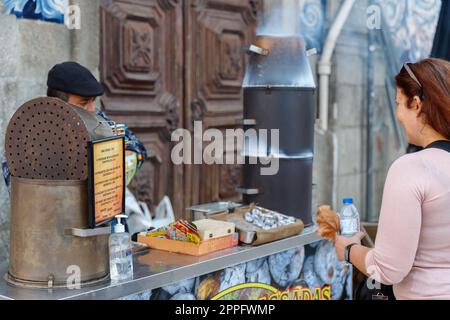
column 47, row 139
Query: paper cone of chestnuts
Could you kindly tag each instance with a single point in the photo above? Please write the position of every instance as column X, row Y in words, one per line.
column 328, row 224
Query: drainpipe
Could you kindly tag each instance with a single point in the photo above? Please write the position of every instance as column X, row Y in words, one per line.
column 325, row 60
column 369, row 216
column 324, row 71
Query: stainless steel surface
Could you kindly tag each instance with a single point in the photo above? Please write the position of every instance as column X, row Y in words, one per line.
column 47, row 139
column 311, row 52
column 203, row 211
column 157, row 269
column 40, row 251
column 246, row 122
column 215, row 207
column 247, row 237
column 254, row 49
column 87, row 233
column 285, row 64
column 247, row 191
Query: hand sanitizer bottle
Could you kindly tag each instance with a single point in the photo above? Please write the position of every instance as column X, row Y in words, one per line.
column 120, row 254
column 349, row 218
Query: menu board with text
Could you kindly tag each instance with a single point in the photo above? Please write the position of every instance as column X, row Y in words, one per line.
column 106, row 180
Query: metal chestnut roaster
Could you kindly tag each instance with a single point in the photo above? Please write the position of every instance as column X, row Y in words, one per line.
column 47, row 152
column 279, row 93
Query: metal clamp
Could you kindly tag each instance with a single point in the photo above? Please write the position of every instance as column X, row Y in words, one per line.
column 311, row 52
column 248, row 192
column 255, row 49
column 246, row 122
column 50, row 281
column 153, row 155
column 87, row 233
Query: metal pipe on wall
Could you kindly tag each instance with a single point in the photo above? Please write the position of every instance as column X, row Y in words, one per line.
column 325, row 60
column 370, row 111
column 324, row 70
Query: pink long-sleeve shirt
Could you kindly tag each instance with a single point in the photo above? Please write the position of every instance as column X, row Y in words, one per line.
column 412, row 249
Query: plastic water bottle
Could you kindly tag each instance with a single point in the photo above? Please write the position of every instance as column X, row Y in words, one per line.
column 349, row 216
column 120, row 253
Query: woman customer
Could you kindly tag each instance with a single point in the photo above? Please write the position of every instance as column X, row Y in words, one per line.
column 412, row 248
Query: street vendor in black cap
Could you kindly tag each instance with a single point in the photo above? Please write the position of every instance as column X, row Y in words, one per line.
column 74, row 84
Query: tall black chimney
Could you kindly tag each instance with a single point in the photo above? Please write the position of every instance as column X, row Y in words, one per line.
column 279, row 93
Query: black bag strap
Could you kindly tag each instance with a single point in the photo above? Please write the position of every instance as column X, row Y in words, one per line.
column 442, row 145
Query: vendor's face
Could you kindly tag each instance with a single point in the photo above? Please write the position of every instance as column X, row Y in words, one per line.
column 410, row 116
column 86, row 103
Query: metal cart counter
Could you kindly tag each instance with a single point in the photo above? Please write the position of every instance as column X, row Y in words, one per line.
column 155, row 269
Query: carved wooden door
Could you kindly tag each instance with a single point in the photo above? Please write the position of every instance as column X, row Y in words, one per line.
column 215, row 67
column 165, row 64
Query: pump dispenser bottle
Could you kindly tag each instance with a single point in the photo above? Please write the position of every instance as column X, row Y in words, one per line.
column 120, row 254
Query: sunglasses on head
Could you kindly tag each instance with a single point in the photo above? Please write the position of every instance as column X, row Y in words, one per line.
column 413, row 76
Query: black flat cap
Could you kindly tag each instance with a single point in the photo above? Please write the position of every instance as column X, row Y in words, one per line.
column 71, row 77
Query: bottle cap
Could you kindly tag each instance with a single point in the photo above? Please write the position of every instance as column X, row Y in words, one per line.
column 119, row 227
column 348, row 201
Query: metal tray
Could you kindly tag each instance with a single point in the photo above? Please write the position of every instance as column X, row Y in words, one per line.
column 247, row 237
column 203, row 211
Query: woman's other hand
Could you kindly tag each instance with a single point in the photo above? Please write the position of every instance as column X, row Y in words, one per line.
column 342, row 242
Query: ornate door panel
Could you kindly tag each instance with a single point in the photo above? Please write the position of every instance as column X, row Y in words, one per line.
column 166, row 64
column 215, row 66
column 141, row 70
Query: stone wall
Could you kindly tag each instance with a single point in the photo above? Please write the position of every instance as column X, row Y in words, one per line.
column 28, row 49
column 348, row 107
column 348, row 115
column 340, row 167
